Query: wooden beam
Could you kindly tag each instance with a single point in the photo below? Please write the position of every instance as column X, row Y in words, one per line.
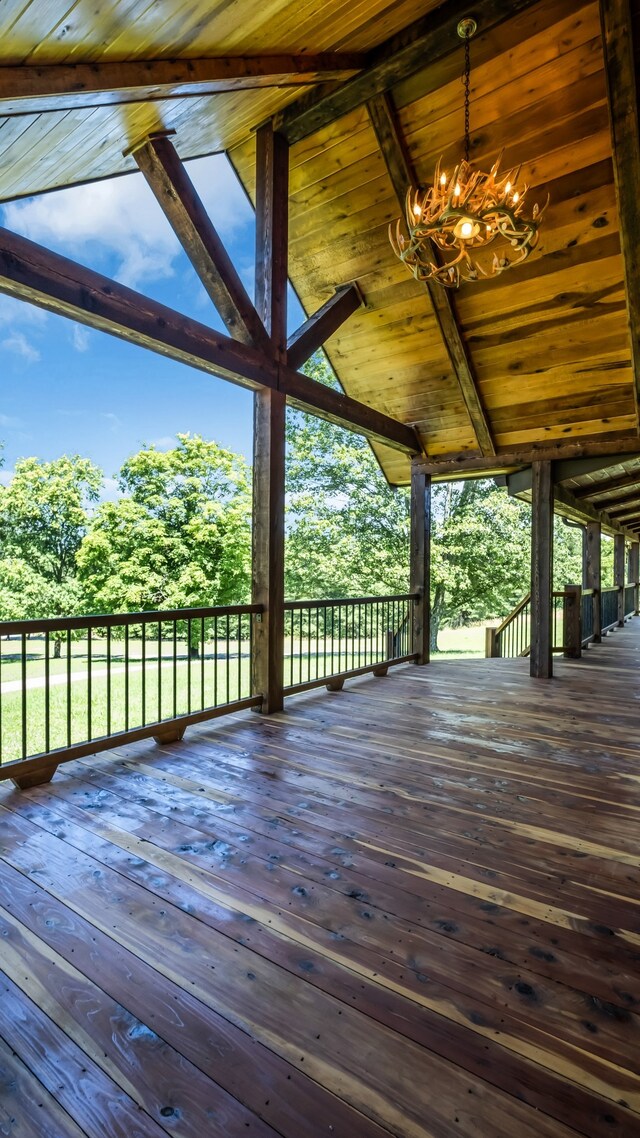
column 584, row 512
column 453, row 465
column 591, row 573
column 597, row 489
column 30, row 89
column 318, row 328
column 268, row 548
column 402, row 174
column 420, row 562
column 541, row 662
column 165, row 173
column 422, row 44
column 52, row 282
column 272, row 229
column 624, row 507
column 616, row 499
column 620, row 71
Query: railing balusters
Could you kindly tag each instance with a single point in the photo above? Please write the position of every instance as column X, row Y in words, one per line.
column 325, row 639
column 24, row 695
column 68, row 687
column 126, row 677
column 143, row 632
column 108, row 682
column 47, row 694
column 159, row 715
column 202, row 640
column 89, row 687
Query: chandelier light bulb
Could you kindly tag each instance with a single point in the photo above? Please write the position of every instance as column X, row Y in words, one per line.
column 516, row 196
column 443, row 179
column 508, row 188
column 457, row 190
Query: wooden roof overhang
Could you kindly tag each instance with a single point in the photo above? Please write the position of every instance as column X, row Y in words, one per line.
column 543, row 362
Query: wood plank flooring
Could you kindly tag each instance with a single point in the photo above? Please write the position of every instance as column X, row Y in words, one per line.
column 410, row 908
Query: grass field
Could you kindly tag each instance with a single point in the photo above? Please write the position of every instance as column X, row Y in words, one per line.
column 156, row 691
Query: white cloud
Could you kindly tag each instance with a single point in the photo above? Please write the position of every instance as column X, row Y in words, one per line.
column 165, row 442
column 121, row 217
column 13, row 311
column 113, row 420
column 10, row 423
column 17, row 342
column 80, row 337
column 5, row 477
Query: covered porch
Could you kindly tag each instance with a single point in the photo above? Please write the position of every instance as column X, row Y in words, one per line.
column 379, row 912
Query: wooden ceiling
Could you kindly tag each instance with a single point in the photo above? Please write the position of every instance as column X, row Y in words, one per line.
column 541, row 356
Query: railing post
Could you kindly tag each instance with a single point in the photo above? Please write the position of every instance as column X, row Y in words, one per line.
column 541, row 661
column 572, row 622
column 420, row 562
column 490, row 643
column 591, row 574
column 634, row 572
column 619, row 573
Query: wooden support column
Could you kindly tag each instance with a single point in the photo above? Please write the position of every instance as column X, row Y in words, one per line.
column 634, row 571
column 268, row 548
column 619, row 573
column 591, row 578
column 272, row 205
column 269, row 420
column 572, row 622
column 541, row 660
column 420, row 561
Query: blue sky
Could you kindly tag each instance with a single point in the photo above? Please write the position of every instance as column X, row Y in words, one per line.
column 66, row 389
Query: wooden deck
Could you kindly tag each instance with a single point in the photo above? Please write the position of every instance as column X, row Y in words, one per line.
column 409, row 908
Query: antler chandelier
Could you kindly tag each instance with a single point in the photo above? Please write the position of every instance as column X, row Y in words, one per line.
column 460, row 215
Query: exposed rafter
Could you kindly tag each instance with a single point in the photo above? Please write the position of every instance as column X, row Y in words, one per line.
column 620, row 71
column 597, row 489
column 452, row 466
column 318, row 328
column 30, row 89
column 30, row 272
column 423, row 42
column 402, row 175
column 164, row 171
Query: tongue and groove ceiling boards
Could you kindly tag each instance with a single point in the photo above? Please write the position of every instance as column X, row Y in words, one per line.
column 369, row 95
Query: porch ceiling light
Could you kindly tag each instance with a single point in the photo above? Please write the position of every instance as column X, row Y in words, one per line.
column 461, row 214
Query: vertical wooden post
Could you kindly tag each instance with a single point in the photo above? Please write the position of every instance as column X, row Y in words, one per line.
column 420, row 562
column 272, row 206
column 634, row 571
column 591, row 578
column 541, row 661
column 269, row 419
column 268, row 548
column 619, row 574
column 572, row 622
column 490, row 642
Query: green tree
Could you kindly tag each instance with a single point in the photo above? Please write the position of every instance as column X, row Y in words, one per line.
column 480, row 553
column 348, row 530
column 43, row 520
column 179, row 537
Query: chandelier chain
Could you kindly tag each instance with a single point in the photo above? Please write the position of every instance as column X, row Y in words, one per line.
column 467, row 93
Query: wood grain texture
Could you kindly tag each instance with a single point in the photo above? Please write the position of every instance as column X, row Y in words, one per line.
column 407, row 908
column 541, row 659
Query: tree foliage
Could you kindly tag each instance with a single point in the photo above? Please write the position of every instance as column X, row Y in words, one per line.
column 179, row 536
